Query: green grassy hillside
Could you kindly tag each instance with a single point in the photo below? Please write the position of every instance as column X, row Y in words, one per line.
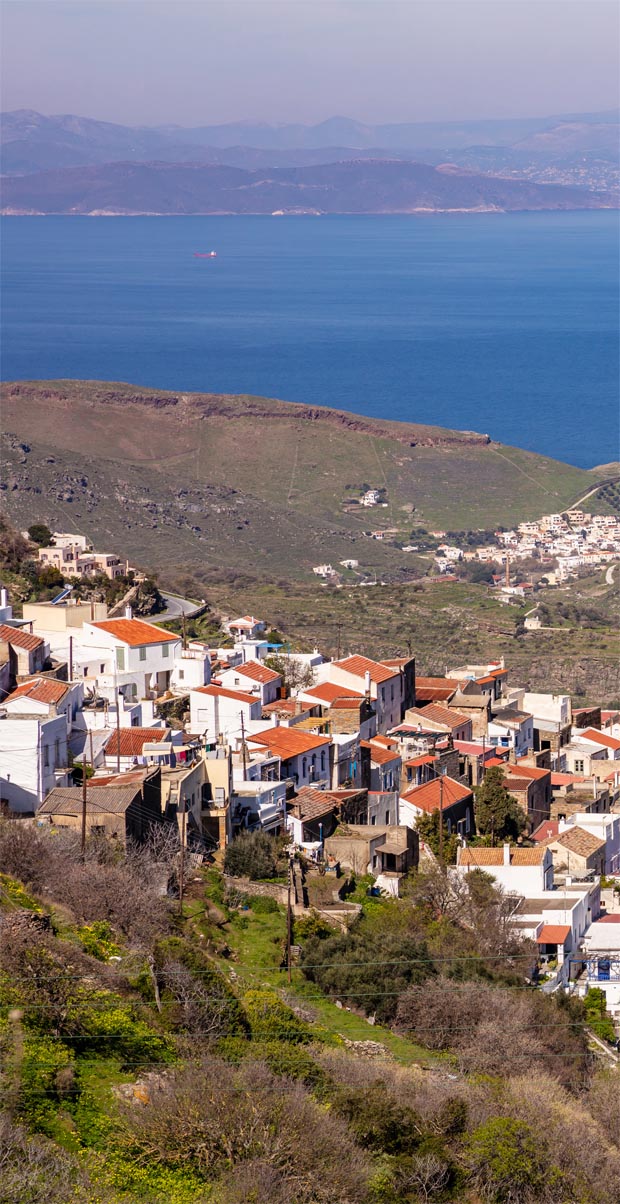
column 246, row 482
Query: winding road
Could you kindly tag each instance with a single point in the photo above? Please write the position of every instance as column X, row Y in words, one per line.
column 177, row 607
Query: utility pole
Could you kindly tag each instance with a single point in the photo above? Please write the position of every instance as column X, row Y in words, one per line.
column 184, row 631
column 118, row 731
column 83, row 841
column 182, row 866
column 339, row 629
column 90, row 745
column 441, row 821
column 288, row 921
column 70, row 658
column 244, row 752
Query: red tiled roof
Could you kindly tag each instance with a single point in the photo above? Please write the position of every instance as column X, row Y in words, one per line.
column 441, row 715
column 424, row 694
column 378, row 754
column 40, row 689
column 565, row 779
column 288, row 742
column 472, row 749
column 257, row 672
column 221, row 692
column 358, row 666
column 135, row 632
column 610, row 918
column 590, row 733
column 310, row 803
column 547, row 830
column 19, row 637
column 288, row 706
column 425, row 760
column 328, row 691
column 553, row 934
column 484, row 856
column 529, row 771
column 427, row 797
column 133, row 739
column 350, row 702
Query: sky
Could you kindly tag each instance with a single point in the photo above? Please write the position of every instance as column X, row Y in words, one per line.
column 195, row 62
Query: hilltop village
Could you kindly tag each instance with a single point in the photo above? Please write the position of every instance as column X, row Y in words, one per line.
column 113, row 725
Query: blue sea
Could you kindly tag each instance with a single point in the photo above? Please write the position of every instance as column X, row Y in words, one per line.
column 506, row 324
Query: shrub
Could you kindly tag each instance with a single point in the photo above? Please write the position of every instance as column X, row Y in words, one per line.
column 376, row 1120
column 252, row 855
column 508, row 1160
column 97, row 939
column 46, row 1077
column 597, row 1016
column 368, row 967
column 262, row 905
column 271, row 1019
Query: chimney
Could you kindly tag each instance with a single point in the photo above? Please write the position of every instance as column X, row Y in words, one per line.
column 512, row 756
column 506, row 854
column 4, row 598
column 367, row 683
column 298, row 706
column 275, row 720
column 128, row 612
column 594, row 785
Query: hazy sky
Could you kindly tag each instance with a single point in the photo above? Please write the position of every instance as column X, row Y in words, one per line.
column 201, row 61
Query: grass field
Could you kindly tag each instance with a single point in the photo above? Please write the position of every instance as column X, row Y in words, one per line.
column 240, row 483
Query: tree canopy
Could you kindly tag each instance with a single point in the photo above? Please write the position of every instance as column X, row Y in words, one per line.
column 498, row 813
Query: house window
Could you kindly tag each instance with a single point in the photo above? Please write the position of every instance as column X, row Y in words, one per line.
column 120, row 658
column 382, row 694
column 165, row 649
column 143, row 654
column 85, row 670
column 101, row 669
column 467, row 821
column 322, row 760
column 181, row 674
column 387, row 817
column 373, row 820
column 304, row 767
column 46, row 756
column 578, row 766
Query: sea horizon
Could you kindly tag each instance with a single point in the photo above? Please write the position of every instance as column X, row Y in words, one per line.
column 508, row 328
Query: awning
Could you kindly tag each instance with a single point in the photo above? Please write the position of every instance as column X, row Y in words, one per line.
column 553, row 934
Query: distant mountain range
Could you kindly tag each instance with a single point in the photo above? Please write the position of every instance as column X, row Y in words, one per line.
column 75, row 164
column 32, row 142
column 350, row 186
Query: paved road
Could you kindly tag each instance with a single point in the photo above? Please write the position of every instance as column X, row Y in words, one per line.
column 176, row 607
column 609, row 575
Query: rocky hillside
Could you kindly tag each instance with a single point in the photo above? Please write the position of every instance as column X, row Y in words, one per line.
column 353, row 186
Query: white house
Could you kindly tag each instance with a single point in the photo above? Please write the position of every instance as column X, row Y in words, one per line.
column 252, row 677
column 45, row 697
column 519, row 871
column 131, row 746
column 604, row 825
column 245, row 628
column 33, row 759
column 385, row 766
column 601, row 953
column 129, row 655
column 191, row 667
column 26, row 653
column 364, row 676
column 219, row 712
column 304, row 757
column 595, row 739
column 512, row 729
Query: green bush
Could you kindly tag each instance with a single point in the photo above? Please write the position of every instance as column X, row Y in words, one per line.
column 109, row 1027
column 376, row 1120
column 97, row 939
column 597, row 1016
column 262, row 905
column 270, row 1019
column 47, row 1076
column 253, row 855
column 311, row 925
column 508, row 1160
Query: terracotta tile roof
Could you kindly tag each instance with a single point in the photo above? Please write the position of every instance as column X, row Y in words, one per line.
column 288, row 742
column 441, row 716
column 19, row 637
column 579, row 841
column 360, row 665
column 516, row 784
column 427, row 797
column 386, row 741
column 328, row 691
column 590, row 733
column 67, row 800
column 565, row 779
column 40, row 689
column 529, row 771
column 424, row 694
column 553, row 934
column 257, row 672
column 547, row 830
column 610, row 918
column 379, row 755
column 222, row 692
column 425, row 760
column 135, row 632
column 349, row 703
column 484, row 856
column 288, row 706
column 441, row 682
column 133, row 739
column 312, row 804
column 398, row 662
